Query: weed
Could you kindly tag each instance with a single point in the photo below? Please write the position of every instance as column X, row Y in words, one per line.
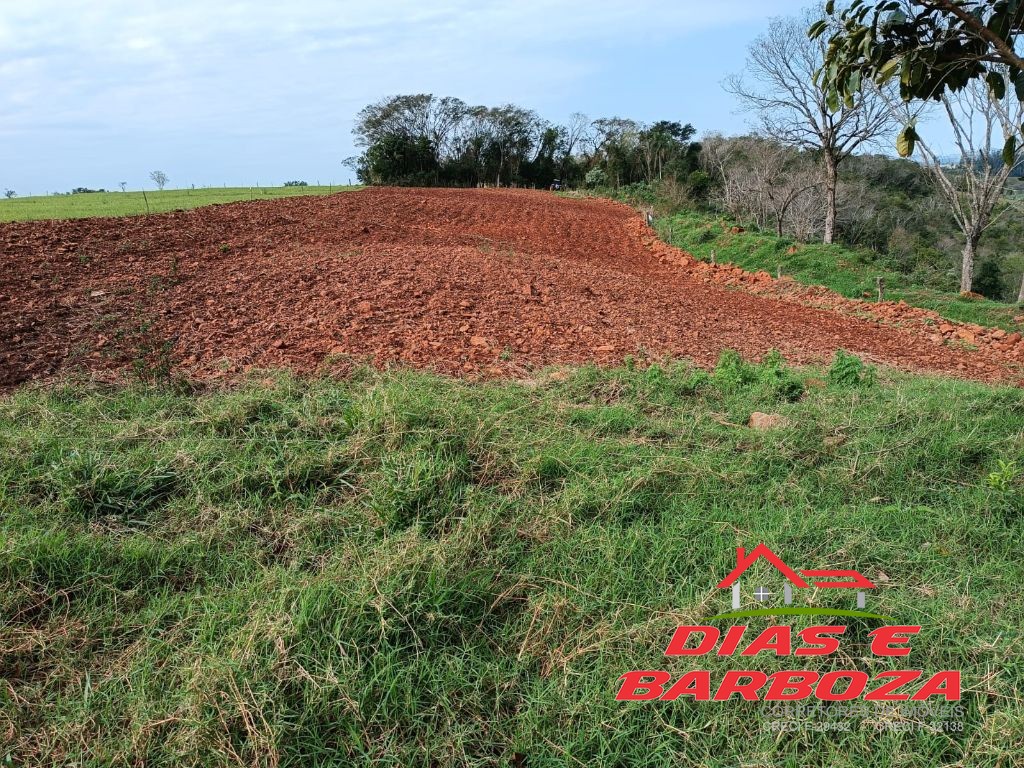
column 850, row 371
column 1005, row 477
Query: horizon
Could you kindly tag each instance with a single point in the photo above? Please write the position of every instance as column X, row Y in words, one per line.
column 252, row 94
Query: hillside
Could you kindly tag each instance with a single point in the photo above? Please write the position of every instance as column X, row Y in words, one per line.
column 462, row 281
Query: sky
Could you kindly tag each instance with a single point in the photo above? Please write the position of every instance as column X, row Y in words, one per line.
column 245, row 92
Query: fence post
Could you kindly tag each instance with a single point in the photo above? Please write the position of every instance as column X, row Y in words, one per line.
column 880, row 283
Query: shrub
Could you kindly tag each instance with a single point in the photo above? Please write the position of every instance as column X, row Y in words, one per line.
column 850, row 371
column 595, row 178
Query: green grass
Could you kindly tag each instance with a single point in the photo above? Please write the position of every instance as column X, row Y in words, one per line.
column 848, row 272
column 92, row 204
column 401, row 569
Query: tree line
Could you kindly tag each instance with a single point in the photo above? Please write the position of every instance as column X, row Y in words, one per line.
column 425, row 140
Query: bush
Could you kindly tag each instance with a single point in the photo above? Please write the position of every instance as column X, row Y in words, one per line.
column 296, row 184
column 595, row 178
column 989, row 280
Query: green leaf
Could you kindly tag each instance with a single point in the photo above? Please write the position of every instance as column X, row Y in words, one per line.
column 999, row 23
column 817, row 29
column 1010, row 151
column 906, row 141
column 996, row 83
column 832, row 99
column 830, row 7
column 888, row 69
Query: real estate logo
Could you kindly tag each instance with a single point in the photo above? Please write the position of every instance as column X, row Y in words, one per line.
column 888, row 641
column 803, row 579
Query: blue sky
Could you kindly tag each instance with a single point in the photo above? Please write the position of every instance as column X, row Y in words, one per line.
column 240, row 92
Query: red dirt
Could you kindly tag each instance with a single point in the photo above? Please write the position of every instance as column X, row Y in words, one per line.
column 462, row 281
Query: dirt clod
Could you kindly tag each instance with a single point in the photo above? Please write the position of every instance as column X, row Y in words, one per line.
column 401, row 276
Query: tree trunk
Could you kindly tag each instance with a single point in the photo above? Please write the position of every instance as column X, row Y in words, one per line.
column 831, row 186
column 1020, row 293
column 967, row 268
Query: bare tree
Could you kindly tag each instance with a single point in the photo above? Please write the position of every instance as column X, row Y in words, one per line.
column 794, row 108
column 576, row 138
column 771, row 183
column 982, row 123
column 123, row 185
column 716, row 157
column 159, row 178
column 10, row 194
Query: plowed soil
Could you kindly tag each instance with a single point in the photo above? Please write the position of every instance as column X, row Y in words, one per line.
column 481, row 282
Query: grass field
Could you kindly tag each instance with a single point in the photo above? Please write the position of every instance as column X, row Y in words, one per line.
column 845, row 271
column 401, row 569
column 90, row 204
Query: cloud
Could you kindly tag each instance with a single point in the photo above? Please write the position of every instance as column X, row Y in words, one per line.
column 195, row 68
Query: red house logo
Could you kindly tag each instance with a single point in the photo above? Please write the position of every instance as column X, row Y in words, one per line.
column 802, row 578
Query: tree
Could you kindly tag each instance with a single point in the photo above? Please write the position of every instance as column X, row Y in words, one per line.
column 10, row 194
column 577, row 135
column 795, row 108
column 981, row 120
column 762, row 179
column 514, row 131
column 400, row 160
column 933, row 47
column 663, row 144
column 422, row 120
column 616, row 145
column 159, row 178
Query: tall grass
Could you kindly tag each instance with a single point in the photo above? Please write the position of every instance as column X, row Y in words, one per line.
column 401, row 569
column 851, row 273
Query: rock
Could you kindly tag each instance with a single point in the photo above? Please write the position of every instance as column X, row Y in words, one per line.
column 478, row 341
column 998, row 333
column 765, row 421
column 946, row 329
column 364, row 308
